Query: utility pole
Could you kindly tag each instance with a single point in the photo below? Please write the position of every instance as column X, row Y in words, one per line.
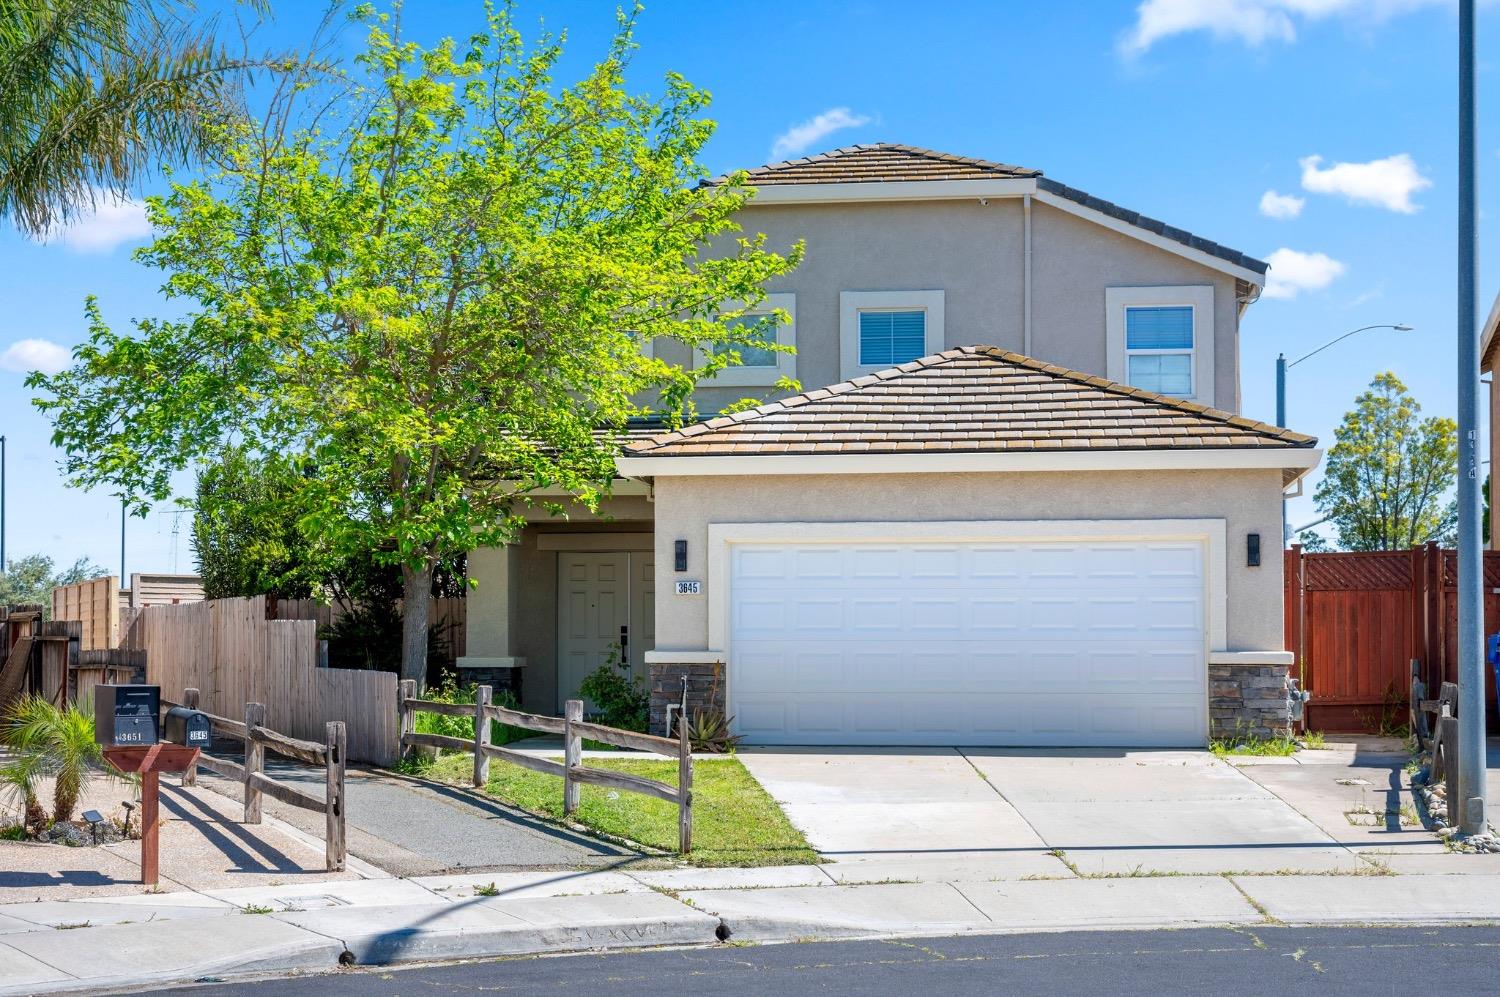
column 1466, row 797
column 123, row 517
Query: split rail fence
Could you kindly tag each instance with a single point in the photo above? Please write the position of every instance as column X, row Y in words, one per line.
column 571, row 769
column 331, row 756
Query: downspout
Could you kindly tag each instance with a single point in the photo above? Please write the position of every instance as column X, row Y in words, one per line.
column 1026, row 278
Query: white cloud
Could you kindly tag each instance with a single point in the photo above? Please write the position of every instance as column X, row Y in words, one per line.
column 1293, row 272
column 27, row 355
column 111, row 222
column 799, row 138
column 1253, row 22
column 1274, row 205
column 1388, row 183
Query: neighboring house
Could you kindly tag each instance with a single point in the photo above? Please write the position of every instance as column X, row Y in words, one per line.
column 1024, row 511
column 1487, row 350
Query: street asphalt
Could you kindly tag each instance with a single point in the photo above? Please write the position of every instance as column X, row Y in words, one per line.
column 1326, row 962
column 409, row 827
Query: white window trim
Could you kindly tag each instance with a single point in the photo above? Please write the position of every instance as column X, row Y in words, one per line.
column 851, row 303
column 1200, row 297
column 740, row 376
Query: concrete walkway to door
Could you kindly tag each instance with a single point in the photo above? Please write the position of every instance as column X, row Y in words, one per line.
column 930, row 813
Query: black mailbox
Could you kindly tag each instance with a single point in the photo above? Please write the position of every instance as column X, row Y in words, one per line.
column 189, row 727
column 126, row 715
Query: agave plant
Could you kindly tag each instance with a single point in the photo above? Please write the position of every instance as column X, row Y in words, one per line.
column 55, row 741
column 708, row 731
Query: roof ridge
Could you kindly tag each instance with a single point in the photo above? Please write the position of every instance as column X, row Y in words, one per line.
column 1116, row 388
column 915, row 150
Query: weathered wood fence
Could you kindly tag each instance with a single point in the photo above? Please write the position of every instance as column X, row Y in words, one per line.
column 329, row 755
column 571, row 770
column 229, row 650
column 1357, row 620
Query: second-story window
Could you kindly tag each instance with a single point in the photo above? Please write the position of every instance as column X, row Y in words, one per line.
column 883, row 329
column 760, row 367
column 1159, row 348
column 752, row 356
column 888, row 338
column 1161, row 339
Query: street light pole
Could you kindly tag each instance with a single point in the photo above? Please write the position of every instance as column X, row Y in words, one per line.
column 1282, row 366
column 1466, row 793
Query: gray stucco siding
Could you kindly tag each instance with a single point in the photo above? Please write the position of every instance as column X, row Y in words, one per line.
column 975, row 254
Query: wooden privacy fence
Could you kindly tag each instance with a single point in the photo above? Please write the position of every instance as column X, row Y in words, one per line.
column 329, row 755
column 1357, row 620
column 95, row 604
column 229, row 650
column 571, row 770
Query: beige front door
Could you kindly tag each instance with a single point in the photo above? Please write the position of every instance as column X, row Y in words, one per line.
column 606, row 606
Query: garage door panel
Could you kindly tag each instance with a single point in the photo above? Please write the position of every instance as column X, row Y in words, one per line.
column 1025, row 643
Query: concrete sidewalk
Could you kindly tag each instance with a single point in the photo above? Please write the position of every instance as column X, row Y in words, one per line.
column 159, row 939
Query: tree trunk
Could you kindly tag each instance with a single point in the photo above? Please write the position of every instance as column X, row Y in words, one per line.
column 416, row 596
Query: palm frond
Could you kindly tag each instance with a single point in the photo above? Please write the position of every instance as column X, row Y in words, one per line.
column 95, row 93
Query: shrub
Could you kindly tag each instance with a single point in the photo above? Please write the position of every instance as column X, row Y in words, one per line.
column 463, row 727
column 618, row 696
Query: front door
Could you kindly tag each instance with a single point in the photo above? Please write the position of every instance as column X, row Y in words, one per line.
column 605, row 609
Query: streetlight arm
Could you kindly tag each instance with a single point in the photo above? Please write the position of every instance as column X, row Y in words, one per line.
column 1363, row 328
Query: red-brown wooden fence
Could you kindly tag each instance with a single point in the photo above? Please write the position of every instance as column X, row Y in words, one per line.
column 1356, row 620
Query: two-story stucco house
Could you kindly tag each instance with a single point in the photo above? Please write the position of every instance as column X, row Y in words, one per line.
column 1016, row 505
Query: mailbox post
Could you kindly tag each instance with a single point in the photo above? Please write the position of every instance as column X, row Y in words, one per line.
column 126, row 725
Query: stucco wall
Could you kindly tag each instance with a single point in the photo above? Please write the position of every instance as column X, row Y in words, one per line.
column 1248, row 501
column 975, row 254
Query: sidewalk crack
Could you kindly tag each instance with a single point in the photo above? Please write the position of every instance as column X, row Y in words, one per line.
column 955, row 889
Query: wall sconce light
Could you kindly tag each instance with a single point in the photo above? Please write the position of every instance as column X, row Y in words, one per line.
column 679, row 554
column 1252, row 550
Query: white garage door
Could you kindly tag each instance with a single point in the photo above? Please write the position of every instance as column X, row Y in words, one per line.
column 1029, row 643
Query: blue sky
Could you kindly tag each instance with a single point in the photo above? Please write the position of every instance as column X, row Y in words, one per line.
column 1187, row 110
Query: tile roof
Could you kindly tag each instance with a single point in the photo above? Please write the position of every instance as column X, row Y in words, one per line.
column 974, row 399
column 884, row 162
column 887, row 162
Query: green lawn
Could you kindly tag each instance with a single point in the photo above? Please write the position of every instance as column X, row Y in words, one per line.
column 735, row 822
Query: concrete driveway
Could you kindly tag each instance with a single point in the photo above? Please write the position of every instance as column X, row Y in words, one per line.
column 1009, row 813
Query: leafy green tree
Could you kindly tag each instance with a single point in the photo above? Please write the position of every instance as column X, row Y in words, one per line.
column 245, row 534
column 1389, row 471
column 434, row 312
column 95, row 93
column 32, row 579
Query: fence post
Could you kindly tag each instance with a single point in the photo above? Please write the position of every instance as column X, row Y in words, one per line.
column 334, row 850
column 190, row 699
column 482, row 698
column 406, row 689
column 684, row 787
column 255, row 760
column 572, row 753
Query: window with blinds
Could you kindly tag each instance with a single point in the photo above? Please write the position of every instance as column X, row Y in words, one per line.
column 1159, row 349
column 888, row 338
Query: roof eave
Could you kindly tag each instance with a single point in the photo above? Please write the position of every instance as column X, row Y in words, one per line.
column 929, row 462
